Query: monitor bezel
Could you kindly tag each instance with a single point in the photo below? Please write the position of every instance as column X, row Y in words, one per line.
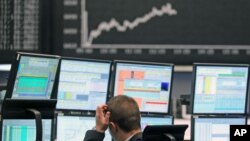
column 212, row 117
column 6, row 65
column 14, row 71
column 51, row 127
column 5, row 70
column 82, row 111
column 173, row 132
column 195, row 65
column 112, row 88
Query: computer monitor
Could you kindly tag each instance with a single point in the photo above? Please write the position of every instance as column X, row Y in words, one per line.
column 220, row 89
column 164, row 132
column 24, row 130
column 164, row 120
column 214, row 129
column 83, row 84
column 73, row 128
column 148, row 83
column 4, row 74
column 32, row 76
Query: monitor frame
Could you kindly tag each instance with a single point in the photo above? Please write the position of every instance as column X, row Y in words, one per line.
column 79, row 111
column 5, row 67
column 212, row 117
column 112, row 88
column 5, row 70
column 14, row 71
column 172, row 132
column 51, row 127
column 193, row 84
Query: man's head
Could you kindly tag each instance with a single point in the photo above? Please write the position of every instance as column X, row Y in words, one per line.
column 124, row 115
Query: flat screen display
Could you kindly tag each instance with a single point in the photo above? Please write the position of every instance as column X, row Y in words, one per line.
column 215, row 129
column 73, row 128
column 24, row 130
column 156, row 121
column 220, row 89
column 83, row 85
column 148, row 84
column 35, row 77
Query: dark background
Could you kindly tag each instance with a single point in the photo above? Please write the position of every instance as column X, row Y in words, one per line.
column 202, row 31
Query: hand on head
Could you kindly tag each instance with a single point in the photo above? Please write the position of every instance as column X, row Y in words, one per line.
column 102, row 118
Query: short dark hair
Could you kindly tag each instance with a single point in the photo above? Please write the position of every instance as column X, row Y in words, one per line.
column 124, row 111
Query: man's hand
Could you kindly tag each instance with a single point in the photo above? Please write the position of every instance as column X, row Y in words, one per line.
column 102, row 118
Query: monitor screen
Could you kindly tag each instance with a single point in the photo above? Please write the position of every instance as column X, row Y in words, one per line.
column 24, row 130
column 73, row 128
column 83, row 85
column 156, row 121
column 4, row 74
column 220, row 89
column 214, row 129
column 35, row 77
column 148, row 84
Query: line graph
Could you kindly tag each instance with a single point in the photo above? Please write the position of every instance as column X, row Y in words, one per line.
column 147, row 24
column 126, row 24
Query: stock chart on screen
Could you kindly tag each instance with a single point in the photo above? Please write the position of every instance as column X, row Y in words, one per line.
column 83, row 85
column 220, row 89
column 149, row 85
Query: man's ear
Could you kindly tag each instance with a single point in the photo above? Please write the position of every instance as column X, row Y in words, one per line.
column 113, row 127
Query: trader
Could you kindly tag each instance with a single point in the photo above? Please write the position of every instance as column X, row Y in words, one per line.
column 122, row 116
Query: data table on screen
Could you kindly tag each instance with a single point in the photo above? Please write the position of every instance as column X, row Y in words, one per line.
column 75, row 131
column 83, row 85
column 214, row 129
column 35, row 78
column 24, row 130
column 149, row 85
column 220, row 89
column 156, row 121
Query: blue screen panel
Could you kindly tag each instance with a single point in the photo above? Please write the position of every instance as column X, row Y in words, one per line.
column 35, row 77
column 220, row 89
column 24, row 130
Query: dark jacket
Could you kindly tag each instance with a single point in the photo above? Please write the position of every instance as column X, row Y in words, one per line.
column 92, row 135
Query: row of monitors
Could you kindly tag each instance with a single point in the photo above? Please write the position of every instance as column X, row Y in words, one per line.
column 66, row 130
column 203, row 128
column 83, row 84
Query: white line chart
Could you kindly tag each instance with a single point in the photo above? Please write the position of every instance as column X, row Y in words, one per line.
column 126, row 25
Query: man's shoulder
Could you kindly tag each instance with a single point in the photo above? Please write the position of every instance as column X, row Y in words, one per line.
column 93, row 135
column 137, row 137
